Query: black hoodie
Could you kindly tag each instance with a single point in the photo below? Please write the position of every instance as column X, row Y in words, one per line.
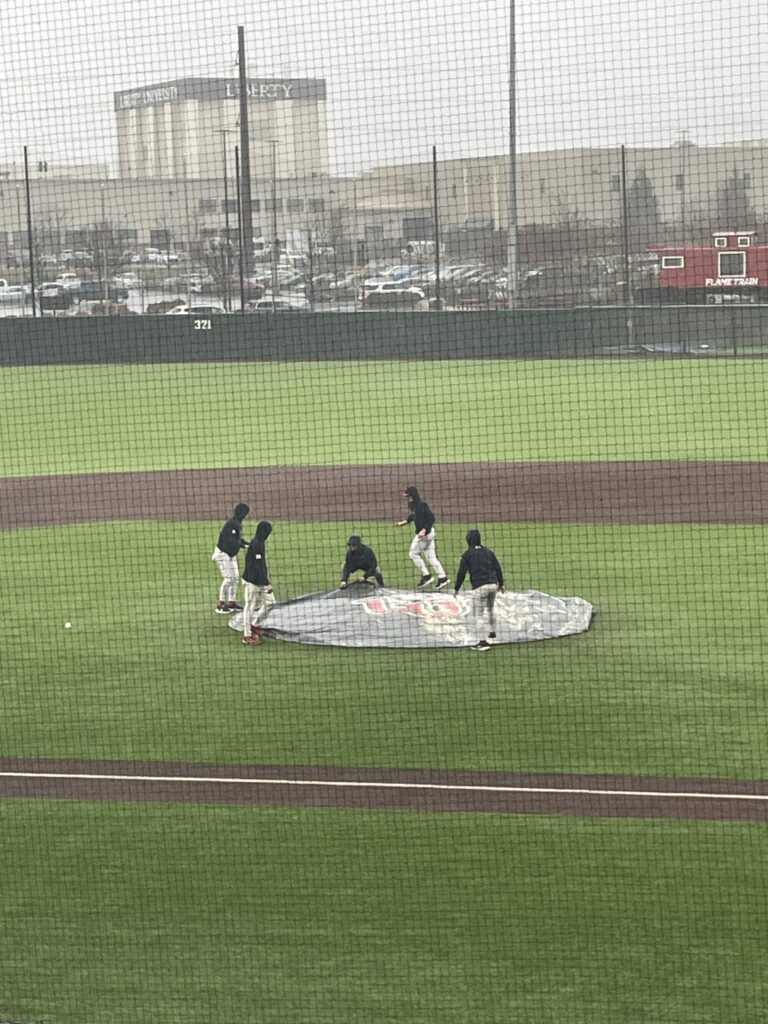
column 256, row 570
column 421, row 514
column 482, row 564
column 359, row 557
column 231, row 537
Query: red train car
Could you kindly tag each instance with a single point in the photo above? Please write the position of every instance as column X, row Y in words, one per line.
column 733, row 269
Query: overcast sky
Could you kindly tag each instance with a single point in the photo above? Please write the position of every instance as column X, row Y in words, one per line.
column 401, row 75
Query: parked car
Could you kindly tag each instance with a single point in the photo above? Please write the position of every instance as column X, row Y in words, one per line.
column 392, row 293
column 53, row 296
column 103, row 309
column 98, row 291
column 68, row 280
column 278, row 306
column 13, row 292
column 212, row 309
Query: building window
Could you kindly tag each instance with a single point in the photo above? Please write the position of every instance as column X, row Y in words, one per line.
column 374, row 232
column 732, row 264
column 274, row 205
column 744, row 240
column 316, row 205
column 672, row 262
column 229, row 206
column 208, row 205
column 720, row 241
column 256, row 205
column 295, row 206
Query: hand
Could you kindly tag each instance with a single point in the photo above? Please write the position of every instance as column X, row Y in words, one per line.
column 502, row 590
column 343, row 585
column 269, row 589
column 402, row 523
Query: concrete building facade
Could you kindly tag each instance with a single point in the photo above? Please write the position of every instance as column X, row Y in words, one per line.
column 174, row 129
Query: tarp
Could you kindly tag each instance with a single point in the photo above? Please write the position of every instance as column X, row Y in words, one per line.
column 365, row 615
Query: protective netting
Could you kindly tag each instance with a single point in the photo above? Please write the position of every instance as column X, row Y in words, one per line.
column 464, row 300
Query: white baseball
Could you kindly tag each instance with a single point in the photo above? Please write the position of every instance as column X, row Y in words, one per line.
column 67, row 625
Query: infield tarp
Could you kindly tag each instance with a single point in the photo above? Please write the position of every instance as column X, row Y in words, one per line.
column 364, row 615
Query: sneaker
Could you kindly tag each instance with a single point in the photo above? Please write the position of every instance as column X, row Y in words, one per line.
column 491, row 637
column 442, row 582
column 425, row 581
column 253, row 641
column 482, row 646
column 233, row 606
column 223, row 609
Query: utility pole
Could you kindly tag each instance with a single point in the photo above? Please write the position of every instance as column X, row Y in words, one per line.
column 438, row 300
column 512, row 272
column 275, row 243
column 227, row 247
column 29, row 234
column 241, row 269
column 246, row 204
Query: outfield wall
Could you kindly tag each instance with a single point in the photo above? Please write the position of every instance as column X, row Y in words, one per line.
column 383, row 335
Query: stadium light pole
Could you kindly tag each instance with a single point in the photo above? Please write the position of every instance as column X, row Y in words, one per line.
column 227, row 260
column 275, row 244
column 29, row 234
column 512, row 271
column 246, row 201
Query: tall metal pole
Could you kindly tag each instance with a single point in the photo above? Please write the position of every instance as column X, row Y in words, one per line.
column 29, row 234
column 246, row 204
column 227, row 251
column 239, row 230
column 438, row 300
column 275, row 243
column 512, row 271
column 625, row 223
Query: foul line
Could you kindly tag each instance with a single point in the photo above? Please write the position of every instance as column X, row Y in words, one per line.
column 341, row 784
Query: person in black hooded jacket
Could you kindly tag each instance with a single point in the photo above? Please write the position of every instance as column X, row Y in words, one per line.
column 225, row 556
column 423, row 545
column 360, row 558
column 487, row 579
column 259, row 597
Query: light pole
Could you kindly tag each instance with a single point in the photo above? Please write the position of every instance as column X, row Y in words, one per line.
column 512, row 272
column 227, row 250
column 103, row 243
column 275, row 244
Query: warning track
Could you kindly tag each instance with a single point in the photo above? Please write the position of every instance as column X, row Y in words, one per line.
column 612, row 796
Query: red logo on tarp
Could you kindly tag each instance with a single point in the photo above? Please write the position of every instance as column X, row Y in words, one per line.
column 443, row 606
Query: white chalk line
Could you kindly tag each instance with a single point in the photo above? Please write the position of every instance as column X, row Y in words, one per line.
column 428, row 786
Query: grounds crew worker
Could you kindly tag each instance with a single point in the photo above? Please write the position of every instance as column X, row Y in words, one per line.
column 423, row 545
column 487, row 580
column 360, row 558
column 259, row 598
column 225, row 556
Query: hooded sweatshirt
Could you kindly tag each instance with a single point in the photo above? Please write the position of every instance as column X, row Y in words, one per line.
column 420, row 514
column 359, row 557
column 231, row 537
column 256, row 570
column 481, row 563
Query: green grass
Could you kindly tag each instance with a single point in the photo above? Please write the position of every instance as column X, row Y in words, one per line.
column 115, row 914
column 113, row 418
column 670, row 679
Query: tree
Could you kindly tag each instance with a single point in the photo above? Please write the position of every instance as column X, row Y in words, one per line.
column 642, row 206
column 734, row 210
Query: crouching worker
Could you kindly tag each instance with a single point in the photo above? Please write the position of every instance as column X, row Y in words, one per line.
column 487, row 580
column 259, row 598
column 360, row 558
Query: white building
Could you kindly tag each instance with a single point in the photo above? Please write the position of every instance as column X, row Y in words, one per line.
column 178, row 129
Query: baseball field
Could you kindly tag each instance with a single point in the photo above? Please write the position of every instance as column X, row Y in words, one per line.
column 569, row 831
